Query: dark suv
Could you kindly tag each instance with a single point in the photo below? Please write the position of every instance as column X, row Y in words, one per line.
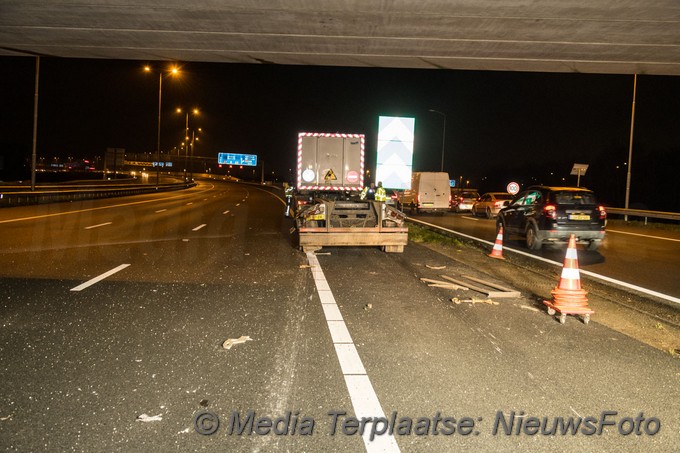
column 543, row 214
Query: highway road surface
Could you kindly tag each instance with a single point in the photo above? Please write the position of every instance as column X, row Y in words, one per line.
column 115, row 314
column 645, row 257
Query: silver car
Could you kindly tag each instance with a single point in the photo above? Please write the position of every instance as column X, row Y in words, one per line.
column 463, row 200
column 490, row 203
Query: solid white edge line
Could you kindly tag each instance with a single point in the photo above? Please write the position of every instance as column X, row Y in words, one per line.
column 199, row 227
column 640, row 289
column 101, row 277
column 97, row 226
column 361, row 392
column 643, row 235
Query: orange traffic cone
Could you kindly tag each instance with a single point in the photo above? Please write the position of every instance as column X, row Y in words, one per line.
column 497, row 251
column 568, row 297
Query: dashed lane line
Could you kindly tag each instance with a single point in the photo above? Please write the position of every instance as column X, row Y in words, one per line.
column 361, row 392
column 199, row 227
column 99, row 278
column 97, row 226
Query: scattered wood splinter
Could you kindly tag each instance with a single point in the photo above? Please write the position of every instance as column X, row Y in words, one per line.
column 457, row 301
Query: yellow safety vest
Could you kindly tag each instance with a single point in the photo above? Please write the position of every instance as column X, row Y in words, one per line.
column 380, row 194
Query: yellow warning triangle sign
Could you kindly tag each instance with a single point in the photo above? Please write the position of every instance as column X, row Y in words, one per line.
column 330, row 175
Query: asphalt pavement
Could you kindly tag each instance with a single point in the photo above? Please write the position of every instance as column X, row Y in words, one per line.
column 136, row 360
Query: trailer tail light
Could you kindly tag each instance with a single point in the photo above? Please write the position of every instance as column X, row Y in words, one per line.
column 550, row 211
column 603, row 212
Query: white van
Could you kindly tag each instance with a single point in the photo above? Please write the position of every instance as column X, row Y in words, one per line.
column 430, row 192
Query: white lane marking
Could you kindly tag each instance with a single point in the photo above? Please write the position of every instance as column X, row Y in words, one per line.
column 642, row 235
column 555, row 263
column 471, row 218
column 332, row 312
column 361, row 392
column 199, row 227
column 161, row 210
column 226, row 212
column 99, row 278
column 97, row 226
column 77, row 211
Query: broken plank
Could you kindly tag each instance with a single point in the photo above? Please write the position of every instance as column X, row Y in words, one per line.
column 488, row 292
column 492, row 285
column 444, row 285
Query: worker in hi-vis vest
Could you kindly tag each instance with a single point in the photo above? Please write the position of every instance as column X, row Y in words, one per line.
column 289, row 199
column 380, row 193
column 368, row 193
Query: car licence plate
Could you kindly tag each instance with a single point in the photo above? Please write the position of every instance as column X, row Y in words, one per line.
column 579, row 217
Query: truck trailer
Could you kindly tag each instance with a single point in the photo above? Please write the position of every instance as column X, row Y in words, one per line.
column 329, row 212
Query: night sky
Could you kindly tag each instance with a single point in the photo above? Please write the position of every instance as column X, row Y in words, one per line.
column 500, row 126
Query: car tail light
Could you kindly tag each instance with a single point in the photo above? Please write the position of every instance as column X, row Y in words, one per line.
column 603, row 212
column 550, row 211
column 498, row 204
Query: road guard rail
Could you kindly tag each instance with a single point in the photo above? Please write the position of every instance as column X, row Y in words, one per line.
column 645, row 214
column 13, row 196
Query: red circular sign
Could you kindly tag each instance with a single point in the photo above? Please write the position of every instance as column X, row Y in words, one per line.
column 352, row 176
column 513, row 188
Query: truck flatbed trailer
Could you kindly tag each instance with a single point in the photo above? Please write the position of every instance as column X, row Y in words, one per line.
column 351, row 223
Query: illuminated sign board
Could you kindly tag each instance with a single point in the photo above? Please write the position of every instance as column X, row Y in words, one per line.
column 395, row 151
column 237, row 159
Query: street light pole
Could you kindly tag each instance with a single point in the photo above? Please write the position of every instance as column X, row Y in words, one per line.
column 630, row 147
column 186, row 136
column 441, row 168
column 158, row 137
column 35, row 121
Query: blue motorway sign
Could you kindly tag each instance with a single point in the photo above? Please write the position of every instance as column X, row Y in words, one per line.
column 237, row 159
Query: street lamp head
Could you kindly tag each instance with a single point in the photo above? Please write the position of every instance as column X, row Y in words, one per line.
column 172, row 71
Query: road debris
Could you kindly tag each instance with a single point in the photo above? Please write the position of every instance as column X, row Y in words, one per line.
column 526, row 307
column 457, row 301
column 442, row 284
column 232, row 341
column 368, row 306
column 497, row 291
column 149, row 418
column 305, row 266
column 203, row 403
column 437, row 268
column 322, row 253
column 4, row 419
